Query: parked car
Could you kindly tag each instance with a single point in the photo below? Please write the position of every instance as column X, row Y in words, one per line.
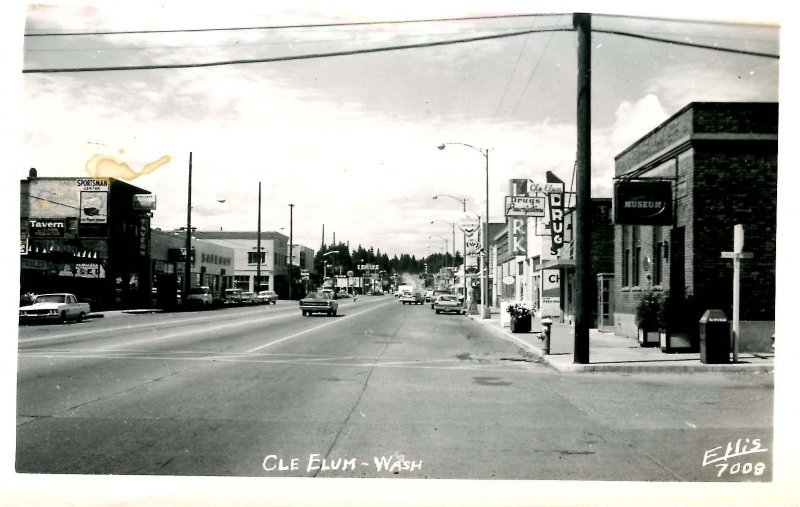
column 318, row 302
column 415, row 298
column 248, row 298
column 200, row 296
column 54, row 307
column 447, row 303
column 437, row 293
column 233, row 296
column 268, row 296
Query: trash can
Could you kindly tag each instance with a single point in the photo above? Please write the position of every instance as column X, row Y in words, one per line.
column 715, row 337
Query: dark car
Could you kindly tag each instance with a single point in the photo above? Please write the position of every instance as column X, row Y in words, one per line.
column 318, row 302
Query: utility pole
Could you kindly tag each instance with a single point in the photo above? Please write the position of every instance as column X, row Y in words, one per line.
column 258, row 244
column 583, row 201
column 291, row 249
column 187, row 269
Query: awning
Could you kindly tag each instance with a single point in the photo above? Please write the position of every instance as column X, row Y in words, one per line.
column 559, row 263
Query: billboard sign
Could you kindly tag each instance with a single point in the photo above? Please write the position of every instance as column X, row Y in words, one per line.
column 144, row 202
column 642, row 202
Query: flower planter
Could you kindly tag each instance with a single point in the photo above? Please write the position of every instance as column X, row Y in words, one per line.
column 649, row 338
column 521, row 324
column 676, row 341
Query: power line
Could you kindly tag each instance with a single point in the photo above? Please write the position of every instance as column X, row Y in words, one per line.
column 296, row 57
column 680, row 20
column 689, row 44
column 286, row 27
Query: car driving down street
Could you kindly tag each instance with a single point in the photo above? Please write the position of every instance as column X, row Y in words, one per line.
column 318, row 302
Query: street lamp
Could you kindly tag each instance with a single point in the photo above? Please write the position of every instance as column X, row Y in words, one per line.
column 453, row 227
column 485, row 310
column 325, row 268
column 463, row 201
column 444, row 258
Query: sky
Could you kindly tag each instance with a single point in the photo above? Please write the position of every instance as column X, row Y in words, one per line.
column 352, row 140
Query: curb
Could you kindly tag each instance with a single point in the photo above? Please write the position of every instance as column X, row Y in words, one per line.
column 563, row 367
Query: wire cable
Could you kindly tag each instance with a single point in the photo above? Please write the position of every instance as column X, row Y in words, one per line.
column 286, row 27
column 295, row 57
column 689, row 44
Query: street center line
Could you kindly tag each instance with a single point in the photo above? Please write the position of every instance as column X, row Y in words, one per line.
column 256, row 349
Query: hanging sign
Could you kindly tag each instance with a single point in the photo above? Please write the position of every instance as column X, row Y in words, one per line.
column 556, row 207
column 643, row 202
column 520, row 206
column 469, row 223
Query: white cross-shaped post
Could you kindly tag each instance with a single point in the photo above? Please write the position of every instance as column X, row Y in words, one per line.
column 737, row 255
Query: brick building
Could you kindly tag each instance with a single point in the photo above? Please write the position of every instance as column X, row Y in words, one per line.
column 88, row 236
column 721, row 159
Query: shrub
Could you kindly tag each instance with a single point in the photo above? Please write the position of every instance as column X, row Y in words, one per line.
column 647, row 309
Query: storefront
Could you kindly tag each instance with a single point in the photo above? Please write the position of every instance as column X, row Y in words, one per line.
column 85, row 236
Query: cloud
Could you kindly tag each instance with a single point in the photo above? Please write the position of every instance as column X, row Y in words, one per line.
column 632, row 120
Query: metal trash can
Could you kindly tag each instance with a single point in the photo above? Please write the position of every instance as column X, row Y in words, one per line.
column 715, row 337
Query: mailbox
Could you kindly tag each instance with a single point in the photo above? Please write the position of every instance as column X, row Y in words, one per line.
column 715, row 337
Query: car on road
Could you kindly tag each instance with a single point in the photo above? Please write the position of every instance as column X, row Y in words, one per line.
column 429, row 296
column 447, row 303
column 59, row 307
column 319, row 302
column 269, row 297
column 412, row 298
column 437, row 293
column 199, row 296
column 233, row 296
column 248, row 298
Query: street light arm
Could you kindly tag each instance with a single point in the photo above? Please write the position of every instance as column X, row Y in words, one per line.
column 462, row 200
column 485, row 152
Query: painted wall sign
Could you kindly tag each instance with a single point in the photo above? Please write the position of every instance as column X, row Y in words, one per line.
column 47, row 227
column 643, row 202
column 94, row 207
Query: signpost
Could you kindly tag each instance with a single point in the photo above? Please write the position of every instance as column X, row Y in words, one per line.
column 737, row 255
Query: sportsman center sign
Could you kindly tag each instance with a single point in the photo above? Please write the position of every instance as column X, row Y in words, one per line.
column 643, row 202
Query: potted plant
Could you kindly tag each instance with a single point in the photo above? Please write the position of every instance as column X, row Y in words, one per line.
column 647, row 307
column 521, row 313
column 678, row 319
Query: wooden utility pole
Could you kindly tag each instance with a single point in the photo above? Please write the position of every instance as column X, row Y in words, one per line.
column 257, row 284
column 583, row 200
column 291, row 249
column 187, row 269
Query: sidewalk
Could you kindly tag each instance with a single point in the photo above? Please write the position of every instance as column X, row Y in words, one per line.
column 609, row 352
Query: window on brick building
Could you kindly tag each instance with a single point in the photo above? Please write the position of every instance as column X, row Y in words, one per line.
column 252, row 257
column 626, row 257
column 658, row 255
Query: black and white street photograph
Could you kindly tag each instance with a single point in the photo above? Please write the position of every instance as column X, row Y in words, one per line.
column 351, row 253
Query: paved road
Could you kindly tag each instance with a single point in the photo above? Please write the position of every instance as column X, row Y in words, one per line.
column 382, row 390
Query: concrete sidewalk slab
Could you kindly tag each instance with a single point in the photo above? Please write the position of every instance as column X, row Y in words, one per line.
column 612, row 353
